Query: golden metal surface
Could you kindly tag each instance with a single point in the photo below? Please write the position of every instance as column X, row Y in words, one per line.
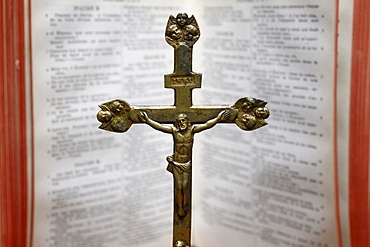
column 118, row 116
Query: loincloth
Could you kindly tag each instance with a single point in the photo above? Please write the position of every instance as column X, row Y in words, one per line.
column 181, row 168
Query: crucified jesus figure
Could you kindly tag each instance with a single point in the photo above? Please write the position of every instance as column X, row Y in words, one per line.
column 179, row 164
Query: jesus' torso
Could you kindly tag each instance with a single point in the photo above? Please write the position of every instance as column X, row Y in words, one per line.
column 183, row 144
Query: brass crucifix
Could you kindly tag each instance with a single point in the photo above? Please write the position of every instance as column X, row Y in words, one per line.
column 118, row 116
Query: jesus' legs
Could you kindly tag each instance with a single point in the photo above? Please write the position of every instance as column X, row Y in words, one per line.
column 179, row 193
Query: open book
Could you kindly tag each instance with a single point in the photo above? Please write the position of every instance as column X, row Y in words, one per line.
column 285, row 184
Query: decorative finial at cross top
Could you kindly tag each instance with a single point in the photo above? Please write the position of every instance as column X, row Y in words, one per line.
column 118, row 116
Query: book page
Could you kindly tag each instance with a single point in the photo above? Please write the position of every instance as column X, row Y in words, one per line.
column 275, row 186
column 92, row 187
column 345, row 29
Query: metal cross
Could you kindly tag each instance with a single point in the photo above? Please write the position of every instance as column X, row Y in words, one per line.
column 118, row 116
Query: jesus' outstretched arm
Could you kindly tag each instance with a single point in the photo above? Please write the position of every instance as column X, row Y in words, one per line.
column 211, row 123
column 155, row 125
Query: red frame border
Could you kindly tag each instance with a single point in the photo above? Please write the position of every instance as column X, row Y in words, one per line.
column 359, row 126
column 13, row 125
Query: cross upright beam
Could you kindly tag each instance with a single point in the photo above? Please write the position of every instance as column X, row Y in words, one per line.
column 118, row 116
